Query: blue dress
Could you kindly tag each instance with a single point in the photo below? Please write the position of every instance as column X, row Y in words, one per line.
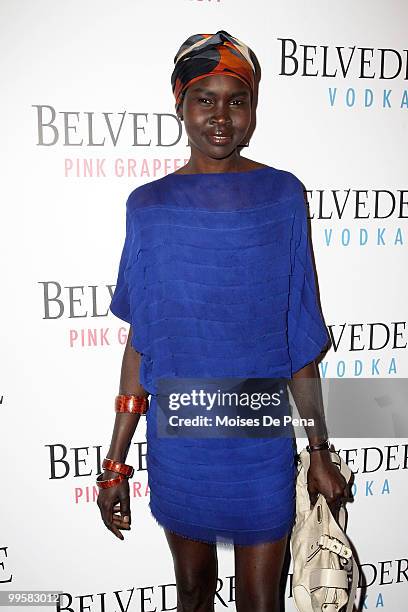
column 216, row 279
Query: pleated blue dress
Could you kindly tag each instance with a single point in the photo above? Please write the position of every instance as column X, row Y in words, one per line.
column 216, row 280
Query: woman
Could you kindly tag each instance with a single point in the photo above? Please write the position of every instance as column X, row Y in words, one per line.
column 216, row 280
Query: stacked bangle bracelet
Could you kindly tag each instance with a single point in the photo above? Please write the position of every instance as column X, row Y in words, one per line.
column 117, row 466
column 110, row 482
column 123, row 470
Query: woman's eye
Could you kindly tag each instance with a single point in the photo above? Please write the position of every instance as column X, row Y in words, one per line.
column 207, row 101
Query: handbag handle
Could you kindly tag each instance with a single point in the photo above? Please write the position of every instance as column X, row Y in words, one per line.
column 304, row 457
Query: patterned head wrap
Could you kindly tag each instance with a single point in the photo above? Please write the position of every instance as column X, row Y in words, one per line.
column 202, row 55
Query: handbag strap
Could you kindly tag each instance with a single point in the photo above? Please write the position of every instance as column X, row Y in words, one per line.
column 328, row 577
column 335, row 578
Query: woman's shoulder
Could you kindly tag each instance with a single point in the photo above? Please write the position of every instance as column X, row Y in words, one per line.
column 147, row 194
column 282, row 183
column 286, row 178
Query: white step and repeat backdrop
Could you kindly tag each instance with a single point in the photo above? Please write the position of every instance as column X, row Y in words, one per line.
column 88, row 115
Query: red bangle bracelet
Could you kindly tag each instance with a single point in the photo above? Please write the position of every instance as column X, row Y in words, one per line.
column 111, row 482
column 117, row 466
column 133, row 404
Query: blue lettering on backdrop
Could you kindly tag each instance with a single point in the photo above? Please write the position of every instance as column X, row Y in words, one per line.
column 382, row 237
column 323, row 368
column 340, row 367
column 355, row 368
column 386, row 101
column 332, row 95
column 380, row 601
column 370, row 488
column 328, row 235
column 368, row 101
column 386, row 487
column 363, row 232
column 365, row 98
column 398, row 237
column 358, row 367
column 350, row 96
column 345, row 237
column 374, row 367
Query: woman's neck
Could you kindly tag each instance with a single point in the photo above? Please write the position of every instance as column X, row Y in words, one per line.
column 200, row 165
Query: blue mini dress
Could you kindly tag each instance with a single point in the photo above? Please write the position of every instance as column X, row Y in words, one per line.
column 216, row 280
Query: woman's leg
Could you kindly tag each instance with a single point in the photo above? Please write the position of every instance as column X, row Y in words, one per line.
column 196, row 571
column 257, row 576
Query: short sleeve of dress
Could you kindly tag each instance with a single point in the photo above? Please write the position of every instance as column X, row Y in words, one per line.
column 307, row 333
column 120, row 304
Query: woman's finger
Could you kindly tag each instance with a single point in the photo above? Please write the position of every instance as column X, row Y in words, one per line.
column 120, row 524
column 122, row 513
column 114, row 530
column 107, row 517
column 125, row 506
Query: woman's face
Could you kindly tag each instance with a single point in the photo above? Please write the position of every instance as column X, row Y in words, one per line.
column 217, row 114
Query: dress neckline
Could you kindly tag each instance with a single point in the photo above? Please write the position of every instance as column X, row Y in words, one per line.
column 240, row 172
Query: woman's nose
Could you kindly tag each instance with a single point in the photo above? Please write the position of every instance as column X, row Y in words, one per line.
column 221, row 118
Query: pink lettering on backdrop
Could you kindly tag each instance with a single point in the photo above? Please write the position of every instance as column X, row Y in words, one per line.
column 101, row 167
column 86, row 495
column 96, row 337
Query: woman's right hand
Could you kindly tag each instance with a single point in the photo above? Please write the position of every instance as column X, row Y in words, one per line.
column 112, row 501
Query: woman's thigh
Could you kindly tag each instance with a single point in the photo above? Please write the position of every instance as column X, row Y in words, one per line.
column 196, row 572
column 258, row 572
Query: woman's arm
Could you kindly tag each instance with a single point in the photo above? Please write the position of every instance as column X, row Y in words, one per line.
column 124, row 428
column 323, row 476
column 126, row 423
column 306, row 390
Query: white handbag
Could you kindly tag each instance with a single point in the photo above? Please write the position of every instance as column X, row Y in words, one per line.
column 325, row 573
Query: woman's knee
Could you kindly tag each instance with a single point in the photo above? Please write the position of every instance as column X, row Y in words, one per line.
column 196, row 595
column 196, row 586
column 258, row 572
column 196, row 572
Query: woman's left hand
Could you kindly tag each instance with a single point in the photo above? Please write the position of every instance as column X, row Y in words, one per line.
column 325, row 477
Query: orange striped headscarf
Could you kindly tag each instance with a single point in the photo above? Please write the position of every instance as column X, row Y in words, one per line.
column 202, row 55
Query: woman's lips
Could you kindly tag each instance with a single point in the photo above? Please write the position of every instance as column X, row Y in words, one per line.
column 219, row 139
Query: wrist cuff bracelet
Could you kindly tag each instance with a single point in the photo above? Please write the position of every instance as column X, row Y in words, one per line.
column 134, row 404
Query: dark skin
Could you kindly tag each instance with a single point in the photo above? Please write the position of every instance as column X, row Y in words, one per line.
column 217, row 113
